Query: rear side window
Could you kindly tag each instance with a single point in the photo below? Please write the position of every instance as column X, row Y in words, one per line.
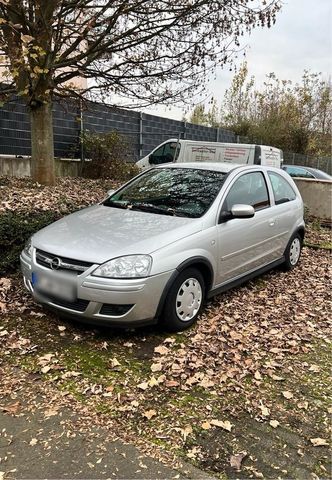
column 282, row 190
column 249, row 189
column 298, row 172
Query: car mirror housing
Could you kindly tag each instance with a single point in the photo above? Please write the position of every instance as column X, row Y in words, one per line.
column 242, row 211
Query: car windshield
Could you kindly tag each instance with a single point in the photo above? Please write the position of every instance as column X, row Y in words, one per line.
column 186, row 192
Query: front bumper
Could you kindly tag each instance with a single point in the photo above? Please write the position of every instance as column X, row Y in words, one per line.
column 118, row 302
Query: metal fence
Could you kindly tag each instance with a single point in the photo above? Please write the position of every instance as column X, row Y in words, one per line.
column 69, row 120
column 323, row 163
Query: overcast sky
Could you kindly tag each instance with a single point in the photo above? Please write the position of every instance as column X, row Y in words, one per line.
column 300, row 39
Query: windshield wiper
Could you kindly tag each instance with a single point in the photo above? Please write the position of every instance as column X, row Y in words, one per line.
column 149, row 207
column 115, row 204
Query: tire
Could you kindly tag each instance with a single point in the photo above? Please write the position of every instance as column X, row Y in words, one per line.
column 293, row 252
column 184, row 301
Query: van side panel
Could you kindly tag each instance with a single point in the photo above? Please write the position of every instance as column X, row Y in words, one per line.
column 196, row 151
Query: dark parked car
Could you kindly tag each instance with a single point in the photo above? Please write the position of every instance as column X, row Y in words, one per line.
column 306, row 172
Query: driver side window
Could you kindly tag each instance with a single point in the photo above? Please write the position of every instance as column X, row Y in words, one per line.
column 249, row 189
column 164, row 154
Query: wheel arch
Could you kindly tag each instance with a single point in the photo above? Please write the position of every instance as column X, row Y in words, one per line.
column 203, row 266
column 301, row 232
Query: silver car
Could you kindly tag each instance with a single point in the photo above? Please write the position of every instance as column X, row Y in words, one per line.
column 162, row 244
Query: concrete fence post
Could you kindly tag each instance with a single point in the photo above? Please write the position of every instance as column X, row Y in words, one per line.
column 184, row 130
column 140, row 134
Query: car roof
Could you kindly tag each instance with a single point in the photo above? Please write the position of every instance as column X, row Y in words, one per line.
column 226, row 144
column 317, row 171
column 224, row 167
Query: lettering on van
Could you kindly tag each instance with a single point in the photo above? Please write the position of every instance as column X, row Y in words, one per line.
column 271, row 158
column 232, row 154
column 203, row 154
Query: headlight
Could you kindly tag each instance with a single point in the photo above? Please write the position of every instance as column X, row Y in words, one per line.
column 131, row 266
column 28, row 248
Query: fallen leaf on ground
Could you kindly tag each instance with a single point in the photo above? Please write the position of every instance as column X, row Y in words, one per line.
column 318, row 442
column 156, row 367
column 149, row 414
column 33, row 442
column 314, row 368
column 45, row 369
column 265, row 411
column 226, row 425
column 12, row 408
column 114, row 363
column 277, row 378
column 274, row 423
column 236, row 460
column 161, row 350
column 51, row 412
column 186, row 431
column 143, row 386
column 61, row 328
column 206, row 425
column 172, row 383
column 287, row 394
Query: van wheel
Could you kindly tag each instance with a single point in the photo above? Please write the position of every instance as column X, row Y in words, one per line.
column 293, row 252
column 184, row 301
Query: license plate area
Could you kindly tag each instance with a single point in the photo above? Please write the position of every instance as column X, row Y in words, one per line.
column 54, row 286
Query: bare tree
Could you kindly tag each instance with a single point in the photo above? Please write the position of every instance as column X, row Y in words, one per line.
column 147, row 51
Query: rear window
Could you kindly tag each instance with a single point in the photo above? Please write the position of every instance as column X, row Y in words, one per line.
column 282, row 190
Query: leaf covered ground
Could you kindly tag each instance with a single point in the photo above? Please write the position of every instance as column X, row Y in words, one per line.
column 243, row 394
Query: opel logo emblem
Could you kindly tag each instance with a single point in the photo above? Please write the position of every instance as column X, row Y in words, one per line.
column 55, row 263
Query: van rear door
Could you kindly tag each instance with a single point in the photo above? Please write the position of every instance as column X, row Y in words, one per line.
column 270, row 156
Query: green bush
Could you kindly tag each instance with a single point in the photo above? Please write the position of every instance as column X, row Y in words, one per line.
column 15, row 229
column 110, row 155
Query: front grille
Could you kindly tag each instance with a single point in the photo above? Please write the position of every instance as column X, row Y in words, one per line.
column 60, row 263
column 79, row 305
column 114, row 310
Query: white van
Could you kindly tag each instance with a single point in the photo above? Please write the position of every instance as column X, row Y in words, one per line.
column 174, row 150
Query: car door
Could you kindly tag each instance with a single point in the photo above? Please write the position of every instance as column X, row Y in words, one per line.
column 246, row 244
column 286, row 209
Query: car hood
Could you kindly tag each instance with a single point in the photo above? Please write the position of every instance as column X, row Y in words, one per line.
column 99, row 233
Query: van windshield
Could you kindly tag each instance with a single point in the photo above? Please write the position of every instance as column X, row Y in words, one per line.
column 186, row 192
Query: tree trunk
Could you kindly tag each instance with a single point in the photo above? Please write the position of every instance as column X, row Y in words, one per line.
column 42, row 145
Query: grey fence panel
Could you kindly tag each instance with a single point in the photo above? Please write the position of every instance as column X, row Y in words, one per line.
column 14, row 129
column 144, row 130
column 322, row 163
column 102, row 119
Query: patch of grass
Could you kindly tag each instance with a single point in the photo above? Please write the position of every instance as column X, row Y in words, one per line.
column 324, row 245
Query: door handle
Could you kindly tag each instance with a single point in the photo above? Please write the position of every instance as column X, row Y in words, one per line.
column 272, row 222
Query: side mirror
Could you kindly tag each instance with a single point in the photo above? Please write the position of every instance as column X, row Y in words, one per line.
column 242, row 211
column 110, row 192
